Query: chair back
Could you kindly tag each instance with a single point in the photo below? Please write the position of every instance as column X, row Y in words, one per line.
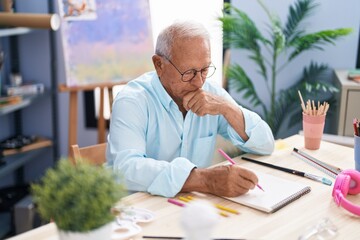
column 95, row 154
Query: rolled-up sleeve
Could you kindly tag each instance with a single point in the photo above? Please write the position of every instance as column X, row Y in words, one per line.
column 261, row 139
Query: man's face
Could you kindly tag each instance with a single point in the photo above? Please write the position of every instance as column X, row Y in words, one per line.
column 186, row 55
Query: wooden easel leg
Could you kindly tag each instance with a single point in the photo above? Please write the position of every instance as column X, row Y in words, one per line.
column 111, row 98
column 101, row 120
column 73, row 119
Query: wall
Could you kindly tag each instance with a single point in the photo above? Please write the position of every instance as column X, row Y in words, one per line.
column 330, row 14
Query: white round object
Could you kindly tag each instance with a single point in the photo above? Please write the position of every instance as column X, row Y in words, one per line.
column 198, row 219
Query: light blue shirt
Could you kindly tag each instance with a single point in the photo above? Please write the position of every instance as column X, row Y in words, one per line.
column 154, row 148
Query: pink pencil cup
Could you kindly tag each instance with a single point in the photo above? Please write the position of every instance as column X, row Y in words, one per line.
column 313, row 126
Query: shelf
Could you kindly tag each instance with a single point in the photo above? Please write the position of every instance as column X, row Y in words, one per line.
column 5, row 221
column 24, row 165
column 32, row 151
column 40, row 143
column 26, row 101
column 5, row 32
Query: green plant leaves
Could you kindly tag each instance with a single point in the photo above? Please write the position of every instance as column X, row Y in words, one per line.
column 314, row 80
column 316, row 40
column 289, row 41
column 78, row 198
column 242, row 83
column 297, row 13
column 241, row 32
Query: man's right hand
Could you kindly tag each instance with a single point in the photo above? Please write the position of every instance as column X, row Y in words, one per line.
column 225, row 180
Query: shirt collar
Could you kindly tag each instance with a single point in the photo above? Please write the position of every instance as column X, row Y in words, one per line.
column 160, row 91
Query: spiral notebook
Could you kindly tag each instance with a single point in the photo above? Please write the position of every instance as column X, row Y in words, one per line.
column 278, row 193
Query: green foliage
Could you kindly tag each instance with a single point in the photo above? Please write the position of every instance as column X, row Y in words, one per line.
column 289, row 41
column 78, row 198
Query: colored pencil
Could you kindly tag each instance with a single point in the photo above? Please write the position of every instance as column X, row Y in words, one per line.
column 230, row 210
column 185, row 199
column 356, row 126
column 173, row 201
column 218, row 206
column 310, row 107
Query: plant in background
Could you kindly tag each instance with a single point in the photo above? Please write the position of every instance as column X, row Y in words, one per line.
column 77, row 197
column 284, row 42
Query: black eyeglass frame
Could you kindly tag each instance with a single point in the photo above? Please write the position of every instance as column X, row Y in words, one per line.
column 194, row 71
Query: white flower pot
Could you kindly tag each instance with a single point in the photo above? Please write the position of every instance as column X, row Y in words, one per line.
column 103, row 232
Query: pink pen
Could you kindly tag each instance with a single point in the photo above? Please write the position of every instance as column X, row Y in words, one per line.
column 233, row 162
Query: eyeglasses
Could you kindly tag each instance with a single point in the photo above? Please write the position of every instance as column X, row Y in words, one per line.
column 190, row 74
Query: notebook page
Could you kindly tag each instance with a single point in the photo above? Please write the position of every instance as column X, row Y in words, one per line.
column 278, row 193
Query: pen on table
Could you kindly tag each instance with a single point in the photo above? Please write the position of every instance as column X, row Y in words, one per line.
column 316, row 165
column 335, row 170
column 292, row 171
column 233, row 162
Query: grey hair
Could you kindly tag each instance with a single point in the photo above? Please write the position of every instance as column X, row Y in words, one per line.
column 179, row 30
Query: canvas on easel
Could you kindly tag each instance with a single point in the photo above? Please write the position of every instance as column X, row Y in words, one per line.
column 114, row 45
column 105, row 43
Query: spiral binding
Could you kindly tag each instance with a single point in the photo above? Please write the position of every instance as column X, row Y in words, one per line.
column 290, row 199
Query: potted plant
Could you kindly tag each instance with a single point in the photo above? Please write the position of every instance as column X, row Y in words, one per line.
column 78, row 198
column 271, row 53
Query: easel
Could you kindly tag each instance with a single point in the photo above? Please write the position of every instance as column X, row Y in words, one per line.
column 73, row 108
